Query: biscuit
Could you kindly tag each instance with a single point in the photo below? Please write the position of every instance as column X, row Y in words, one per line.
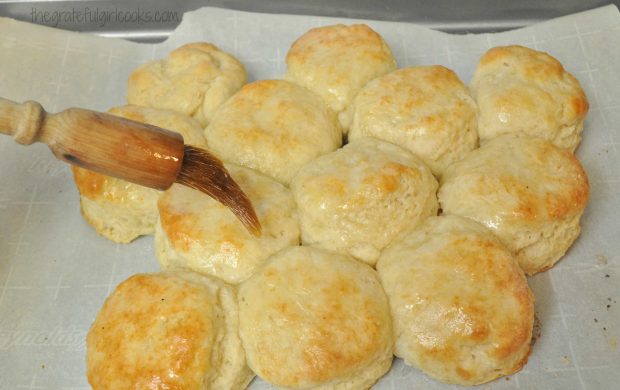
column 425, row 109
column 194, row 80
column 194, row 231
column 529, row 192
column 357, row 199
column 167, row 330
column 337, row 61
column 119, row 210
column 462, row 310
column 311, row 319
column 275, row 127
column 520, row 90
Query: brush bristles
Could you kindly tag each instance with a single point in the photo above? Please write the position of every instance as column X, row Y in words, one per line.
column 204, row 172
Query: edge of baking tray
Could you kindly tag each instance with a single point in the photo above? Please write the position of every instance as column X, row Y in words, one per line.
column 455, row 16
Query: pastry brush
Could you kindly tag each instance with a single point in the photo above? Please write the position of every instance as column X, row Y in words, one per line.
column 129, row 150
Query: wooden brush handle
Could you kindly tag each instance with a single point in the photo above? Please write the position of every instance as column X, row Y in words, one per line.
column 114, row 146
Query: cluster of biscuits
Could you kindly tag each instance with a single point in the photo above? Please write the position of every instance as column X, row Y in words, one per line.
column 411, row 240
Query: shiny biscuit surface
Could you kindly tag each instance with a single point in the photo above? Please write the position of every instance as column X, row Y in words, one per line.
column 337, row 61
column 275, row 127
column 356, row 200
column 425, row 109
column 167, row 330
column 194, row 231
column 462, row 309
column 529, row 192
column 314, row 319
column 195, row 79
column 521, row 90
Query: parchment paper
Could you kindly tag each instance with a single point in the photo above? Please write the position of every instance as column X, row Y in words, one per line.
column 55, row 271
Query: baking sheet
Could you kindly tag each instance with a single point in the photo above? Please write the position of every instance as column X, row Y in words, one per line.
column 55, row 271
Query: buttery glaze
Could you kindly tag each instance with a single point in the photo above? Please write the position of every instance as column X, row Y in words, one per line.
column 521, row 90
column 315, row 61
column 153, row 316
column 463, row 312
column 425, row 109
column 357, row 199
column 198, row 233
column 530, row 192
column 275, row 127
column 167, row 330
column 118, row 209
column 312, row 318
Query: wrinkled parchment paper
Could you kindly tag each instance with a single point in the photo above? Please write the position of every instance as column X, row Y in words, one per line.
column 55, row 272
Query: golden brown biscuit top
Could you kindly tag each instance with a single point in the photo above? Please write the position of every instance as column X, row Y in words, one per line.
column 525, row 62
column 538, row 73
column 461, row 304
column 95, row 186
column 310, row 317
column 336, row 61
column 191, row 218
column 336, row 37
column 358, row 198
column 194, row 80
column 423, row 85
column 515, row 179
column 213, row 241
column 425, row 109
column 532, row 65
column 275, row 127
column 154, row 331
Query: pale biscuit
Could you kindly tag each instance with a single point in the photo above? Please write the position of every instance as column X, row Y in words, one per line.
column 119, row 210
column 529, row 192
column 357, row 199
column 311, row 319
column 425, row 109
column 275, row 127
column 337, row 61
column 461, row 306
column 194, row 231
column 195, row 79
column 167, row 330
column 527, row 91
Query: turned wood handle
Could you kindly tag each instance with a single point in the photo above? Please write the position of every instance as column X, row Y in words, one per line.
column 22, row 121
column 110, row 145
